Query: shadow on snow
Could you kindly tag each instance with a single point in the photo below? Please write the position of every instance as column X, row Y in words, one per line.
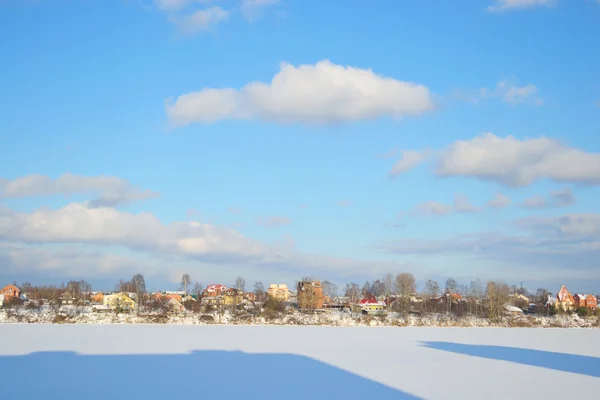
column 200, row 374
column 584, row 365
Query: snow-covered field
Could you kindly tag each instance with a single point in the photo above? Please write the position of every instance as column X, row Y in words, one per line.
column 296, row 362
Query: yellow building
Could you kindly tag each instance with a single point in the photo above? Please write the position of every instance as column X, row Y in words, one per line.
column 233, row 297
column 119, row 301
column 370, row 306
column 279, row 291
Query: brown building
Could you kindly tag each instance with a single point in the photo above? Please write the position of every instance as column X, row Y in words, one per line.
column 310, row 295
column 10, row 291
column 585, row 301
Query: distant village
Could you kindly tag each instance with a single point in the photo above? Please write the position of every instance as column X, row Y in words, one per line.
column 392, row 294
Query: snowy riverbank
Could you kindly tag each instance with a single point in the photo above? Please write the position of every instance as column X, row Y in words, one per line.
column 330, row 319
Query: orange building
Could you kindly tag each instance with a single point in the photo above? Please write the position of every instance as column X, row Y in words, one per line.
column 565, row 299
column 10, row 291
column 585, row 301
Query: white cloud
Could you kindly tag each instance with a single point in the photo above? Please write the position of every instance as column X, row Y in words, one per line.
column 274, row 221
column 500, row 200
column 462, row 204
column 535, row 202
column 143, row 233
column 507, row 5
column 433, row 208
column 558, row 198
column 112, row 191
column 252, row 8
column 582, row 226
column 513, row 162
column 507, row 91
column 200, row 20
column 512, row 94
column 170, row 5
column 77, row 223
column 409, row 160
column 314, row 94
column 555, row 249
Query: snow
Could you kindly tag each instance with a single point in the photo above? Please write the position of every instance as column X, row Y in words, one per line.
column 156, row 361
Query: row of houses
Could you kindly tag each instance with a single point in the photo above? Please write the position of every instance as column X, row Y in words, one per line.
column 568, row 302
column 308, row 296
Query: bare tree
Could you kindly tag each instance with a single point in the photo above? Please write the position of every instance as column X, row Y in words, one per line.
column 259, row 291
column 140, row 289
column 451, row 286
column 329, row 289
column 366, row 290
column 186, row 281
column 198, row 288
column 352, row 291
column 378, row 288
column 388, row 281
column 497, row 295
column 240, row 284
column 476, row 291
column 405, row 286
column 431, row 290
column 542, row 295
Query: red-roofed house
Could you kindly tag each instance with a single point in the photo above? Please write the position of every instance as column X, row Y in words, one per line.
column 370, row 305
column 214, row 290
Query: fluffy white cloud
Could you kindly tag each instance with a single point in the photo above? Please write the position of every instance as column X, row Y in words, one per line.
column 314, row 94
column 77, row 223
column 274, row 221
column 177, row 242
column 500, row 200
column 200, row 20
column 252, row 8
column 513, row 162
column 111, row 191
column 507, row 5
column 409, row 160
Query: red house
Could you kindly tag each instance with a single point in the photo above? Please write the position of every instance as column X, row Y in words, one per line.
column 10, row 291
column 585, row 300
column 214, row 290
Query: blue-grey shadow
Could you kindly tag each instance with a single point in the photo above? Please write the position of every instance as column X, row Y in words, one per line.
column 200, row 374
column 577, row 364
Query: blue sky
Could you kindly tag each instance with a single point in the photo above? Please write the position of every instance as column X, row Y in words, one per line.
column 277, row 139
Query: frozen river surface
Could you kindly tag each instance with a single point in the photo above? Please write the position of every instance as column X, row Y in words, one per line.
column 252, row 362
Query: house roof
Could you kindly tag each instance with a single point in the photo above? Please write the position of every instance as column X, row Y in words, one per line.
column 510, row 308
column 369, row 301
